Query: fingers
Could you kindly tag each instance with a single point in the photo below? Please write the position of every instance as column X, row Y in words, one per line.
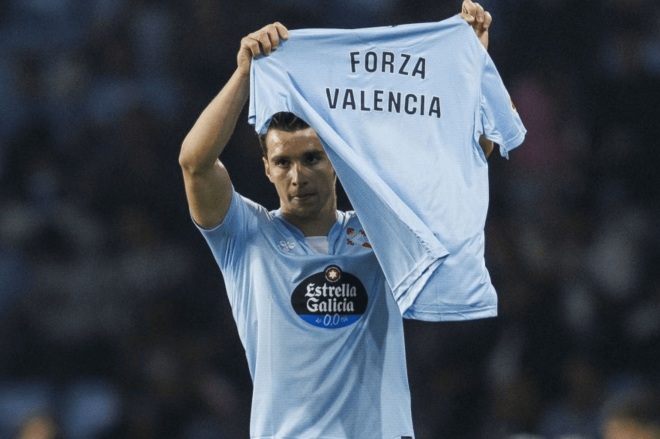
column 479, row 15
column 480, row 20
column 475, row 15
column 282, row 31
column 468, row 11
column 483, row 19
column 487, row 21
column 467, row 17
column 265, row 40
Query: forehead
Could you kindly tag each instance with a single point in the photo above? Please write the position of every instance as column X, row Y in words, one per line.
column 280, row 143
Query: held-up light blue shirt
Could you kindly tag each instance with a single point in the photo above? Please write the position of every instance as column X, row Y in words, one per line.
column 400, row 111
column 322, row 333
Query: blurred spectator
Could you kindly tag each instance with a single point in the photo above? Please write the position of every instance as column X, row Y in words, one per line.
column 575, row 411
column 39, row 427
column 632, row 416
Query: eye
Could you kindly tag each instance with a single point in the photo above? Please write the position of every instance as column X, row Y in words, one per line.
column 313, row 158
column 282, row 163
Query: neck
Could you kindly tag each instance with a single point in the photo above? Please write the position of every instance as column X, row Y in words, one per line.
column 314, row 225
column 319, row 226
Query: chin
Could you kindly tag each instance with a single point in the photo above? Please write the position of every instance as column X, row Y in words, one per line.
column 302, row 213
column 305, row 213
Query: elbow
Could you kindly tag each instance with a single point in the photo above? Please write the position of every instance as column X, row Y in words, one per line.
column 194, row 166
column 197, row 157
column 185, row 160
column 188, row 160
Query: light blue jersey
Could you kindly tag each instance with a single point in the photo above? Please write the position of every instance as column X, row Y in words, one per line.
column 400, row 111
column 322, row 333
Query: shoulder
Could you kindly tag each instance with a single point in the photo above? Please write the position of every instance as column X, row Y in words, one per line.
column 243, row 214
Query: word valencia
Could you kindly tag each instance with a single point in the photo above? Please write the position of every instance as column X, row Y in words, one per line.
column 380, row 100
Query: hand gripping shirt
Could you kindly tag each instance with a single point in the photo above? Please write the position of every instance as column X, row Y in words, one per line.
column 322, row 333
column 399, row 111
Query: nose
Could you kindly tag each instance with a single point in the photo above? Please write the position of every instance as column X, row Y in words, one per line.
column 298, row 174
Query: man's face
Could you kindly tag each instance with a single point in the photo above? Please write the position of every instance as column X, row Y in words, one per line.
column 302, row 174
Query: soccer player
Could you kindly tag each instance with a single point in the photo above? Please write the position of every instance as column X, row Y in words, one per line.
column 322, row 333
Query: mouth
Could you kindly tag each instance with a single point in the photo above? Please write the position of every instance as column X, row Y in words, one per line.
column 301, row 197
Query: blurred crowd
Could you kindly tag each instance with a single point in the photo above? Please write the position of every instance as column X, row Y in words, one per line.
column 113, row 317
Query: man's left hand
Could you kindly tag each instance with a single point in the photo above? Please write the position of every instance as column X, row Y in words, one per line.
column 480, row 19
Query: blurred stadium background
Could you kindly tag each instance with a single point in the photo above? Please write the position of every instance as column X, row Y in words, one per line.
column 113, row 318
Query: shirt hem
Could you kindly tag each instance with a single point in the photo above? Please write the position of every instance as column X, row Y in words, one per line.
column 433, row 314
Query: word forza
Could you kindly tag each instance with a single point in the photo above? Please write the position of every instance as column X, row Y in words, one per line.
column 379, row 100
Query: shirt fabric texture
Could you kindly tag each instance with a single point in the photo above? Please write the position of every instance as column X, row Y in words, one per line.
column 399, row 111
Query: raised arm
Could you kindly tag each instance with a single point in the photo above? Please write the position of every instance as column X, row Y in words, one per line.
column 480, row 20
column 208, row 187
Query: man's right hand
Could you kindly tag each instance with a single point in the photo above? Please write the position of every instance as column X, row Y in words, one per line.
column 262, row 42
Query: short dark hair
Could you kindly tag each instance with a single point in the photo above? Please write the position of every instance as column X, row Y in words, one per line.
column 283, row 121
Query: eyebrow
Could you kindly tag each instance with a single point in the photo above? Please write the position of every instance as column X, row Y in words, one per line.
column 312, row 151
column 278, row 157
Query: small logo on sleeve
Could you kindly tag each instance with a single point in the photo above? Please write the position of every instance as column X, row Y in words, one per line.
column 330, row 299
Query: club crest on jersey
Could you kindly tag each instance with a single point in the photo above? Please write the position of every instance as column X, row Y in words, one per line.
column 357, row 238
column 330, row 299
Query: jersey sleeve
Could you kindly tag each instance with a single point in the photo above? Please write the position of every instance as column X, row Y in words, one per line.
column 228, row 241
column 225, row 237
column 499, row 119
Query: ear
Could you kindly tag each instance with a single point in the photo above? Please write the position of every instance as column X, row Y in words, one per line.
column 267, row 168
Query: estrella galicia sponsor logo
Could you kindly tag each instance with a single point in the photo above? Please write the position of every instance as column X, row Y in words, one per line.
column 330, row 299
